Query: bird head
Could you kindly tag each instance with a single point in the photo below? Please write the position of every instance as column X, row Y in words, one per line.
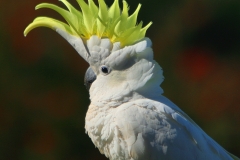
column 120, row 56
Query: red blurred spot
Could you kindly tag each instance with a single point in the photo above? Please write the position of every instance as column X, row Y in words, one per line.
column 195, row 64
column 219, row 94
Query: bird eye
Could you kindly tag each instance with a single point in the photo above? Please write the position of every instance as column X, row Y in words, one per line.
column 105, row 70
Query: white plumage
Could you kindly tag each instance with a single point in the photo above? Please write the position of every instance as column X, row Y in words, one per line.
column 128, row 118
column 148, row 129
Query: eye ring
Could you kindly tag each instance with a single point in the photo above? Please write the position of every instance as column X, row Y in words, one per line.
column 105, row 69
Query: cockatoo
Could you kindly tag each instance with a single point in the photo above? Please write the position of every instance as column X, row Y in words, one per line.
column 128, row 117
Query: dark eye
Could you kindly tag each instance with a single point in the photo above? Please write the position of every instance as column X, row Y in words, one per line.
column 104, row 69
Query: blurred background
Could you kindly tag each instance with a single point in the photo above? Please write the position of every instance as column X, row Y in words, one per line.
column 43, row 101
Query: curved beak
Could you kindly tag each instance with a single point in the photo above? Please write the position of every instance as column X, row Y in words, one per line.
column 89, row 78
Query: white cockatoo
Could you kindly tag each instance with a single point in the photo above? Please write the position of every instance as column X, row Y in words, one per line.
column 128, row 118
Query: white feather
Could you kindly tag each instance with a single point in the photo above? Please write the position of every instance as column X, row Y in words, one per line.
column 129, row 119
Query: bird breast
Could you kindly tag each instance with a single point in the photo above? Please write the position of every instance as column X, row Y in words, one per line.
column 104, row 133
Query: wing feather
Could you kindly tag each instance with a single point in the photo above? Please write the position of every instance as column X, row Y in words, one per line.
column 160, row 130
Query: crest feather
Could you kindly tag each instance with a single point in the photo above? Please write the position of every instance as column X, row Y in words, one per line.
column 94, row 20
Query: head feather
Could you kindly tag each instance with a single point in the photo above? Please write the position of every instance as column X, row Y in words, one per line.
column 94, row 20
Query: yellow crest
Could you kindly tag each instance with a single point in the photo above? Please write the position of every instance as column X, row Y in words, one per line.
column 102, row 21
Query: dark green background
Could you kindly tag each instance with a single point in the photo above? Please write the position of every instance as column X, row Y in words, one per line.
column 43, row 101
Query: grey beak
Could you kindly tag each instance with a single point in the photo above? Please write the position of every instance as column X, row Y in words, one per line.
column 89, row 78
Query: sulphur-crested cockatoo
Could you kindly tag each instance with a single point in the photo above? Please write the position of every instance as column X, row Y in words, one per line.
column 128, row 118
